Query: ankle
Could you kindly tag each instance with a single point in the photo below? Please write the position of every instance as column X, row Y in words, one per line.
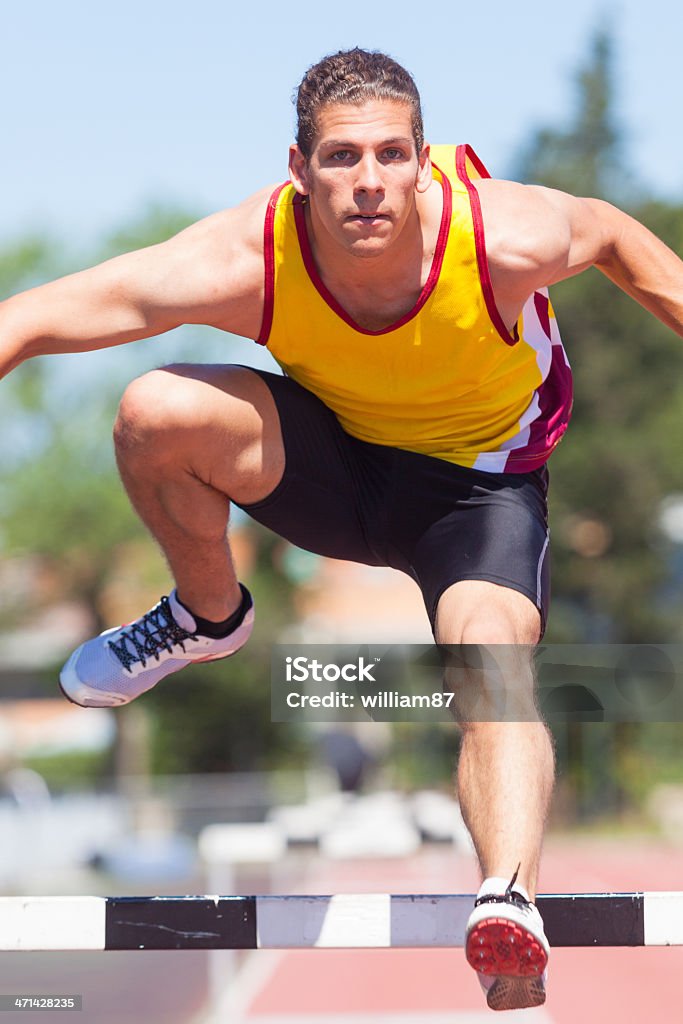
column 208, row 625
column 495, row 885
column 208, row 607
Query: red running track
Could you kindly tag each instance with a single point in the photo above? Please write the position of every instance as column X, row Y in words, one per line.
column 591, row 986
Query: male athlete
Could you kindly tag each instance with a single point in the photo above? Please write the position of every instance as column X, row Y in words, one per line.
column 403, row 292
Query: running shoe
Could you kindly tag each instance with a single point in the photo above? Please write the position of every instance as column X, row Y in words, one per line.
column 120, row 664
column 506, row 944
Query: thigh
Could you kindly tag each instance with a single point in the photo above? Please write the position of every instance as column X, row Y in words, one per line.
column 317, row 504
column 218, row 422
column 495, row 532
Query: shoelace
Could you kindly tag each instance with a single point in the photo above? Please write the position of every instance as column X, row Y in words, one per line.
column 154, row 632
column 509, row 896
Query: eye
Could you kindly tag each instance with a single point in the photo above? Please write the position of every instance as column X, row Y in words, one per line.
column 340, row 155
column 392, row 153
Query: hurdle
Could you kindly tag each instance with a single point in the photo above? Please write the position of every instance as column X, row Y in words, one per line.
column 347, row 921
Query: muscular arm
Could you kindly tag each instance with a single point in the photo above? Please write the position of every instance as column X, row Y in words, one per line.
column 538, row 236
column 211, row 273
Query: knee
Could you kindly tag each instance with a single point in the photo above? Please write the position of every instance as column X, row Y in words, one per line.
column 153, row 408
column 476, row 612
column 480, row 627
column 487, row 628
column 488, row 648
column 497, row 646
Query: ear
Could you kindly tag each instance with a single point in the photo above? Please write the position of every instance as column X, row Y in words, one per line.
column 298, row 171
column 424, row 174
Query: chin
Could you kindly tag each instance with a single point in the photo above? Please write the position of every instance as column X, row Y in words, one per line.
column 367, row 249
column 370, row 246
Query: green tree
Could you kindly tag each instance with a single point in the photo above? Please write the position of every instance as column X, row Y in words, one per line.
column 62, row 502
column 622, row 453
column 59, row 491
column 619, row 459
column 586, row 156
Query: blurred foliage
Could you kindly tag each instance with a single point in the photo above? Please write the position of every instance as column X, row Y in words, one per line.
column 228, row 703
column 63, row 503
column 621, row 455
column 585, row 158
column 28, row 262
column 60, row 496
column 611, row 565
column 63, row 772
column 157, row 223
column 423, row 756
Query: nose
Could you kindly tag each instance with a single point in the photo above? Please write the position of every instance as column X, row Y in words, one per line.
column 369, row 177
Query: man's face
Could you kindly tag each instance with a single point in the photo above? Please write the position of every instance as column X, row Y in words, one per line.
column 362, row 175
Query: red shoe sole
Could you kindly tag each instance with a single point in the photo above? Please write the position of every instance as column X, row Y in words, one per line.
column 498, row 946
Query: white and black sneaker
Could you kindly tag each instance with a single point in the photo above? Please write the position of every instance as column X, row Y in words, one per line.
column 506, row 944
column 118, row 665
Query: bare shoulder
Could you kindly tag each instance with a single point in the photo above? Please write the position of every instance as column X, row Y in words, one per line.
column 522, row 227
column 238, row 227
column 223, row 255
column 539, row 235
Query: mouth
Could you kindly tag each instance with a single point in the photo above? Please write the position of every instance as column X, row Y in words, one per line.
column 367, row 218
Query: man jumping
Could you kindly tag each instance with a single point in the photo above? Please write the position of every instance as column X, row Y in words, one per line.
column 403, row 292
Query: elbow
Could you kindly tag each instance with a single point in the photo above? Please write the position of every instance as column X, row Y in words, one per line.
column 13, row 345
column 607, row 225
column 18, row 342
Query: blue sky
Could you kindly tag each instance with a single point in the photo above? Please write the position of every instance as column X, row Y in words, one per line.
column 106, row 107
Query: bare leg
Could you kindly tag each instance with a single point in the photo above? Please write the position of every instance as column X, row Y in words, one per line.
column 188, row 439
column 506, row 768
column 505, row 807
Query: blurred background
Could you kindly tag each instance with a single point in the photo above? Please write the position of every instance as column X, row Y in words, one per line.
column 121, row 125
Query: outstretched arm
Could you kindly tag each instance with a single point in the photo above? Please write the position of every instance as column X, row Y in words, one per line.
column 540, row 236
column 211, row 273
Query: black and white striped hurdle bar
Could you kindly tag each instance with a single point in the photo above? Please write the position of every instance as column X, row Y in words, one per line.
column 320, row 922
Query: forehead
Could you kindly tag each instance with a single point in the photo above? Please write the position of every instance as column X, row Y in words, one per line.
column 371, row 119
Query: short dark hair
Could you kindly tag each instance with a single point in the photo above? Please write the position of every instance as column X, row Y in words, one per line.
column 354, row 76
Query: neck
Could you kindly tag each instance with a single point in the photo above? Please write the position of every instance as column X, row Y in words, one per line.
column 340, row 268
column 397, row 267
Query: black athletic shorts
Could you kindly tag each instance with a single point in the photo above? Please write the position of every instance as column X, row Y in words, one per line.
column 433, row 520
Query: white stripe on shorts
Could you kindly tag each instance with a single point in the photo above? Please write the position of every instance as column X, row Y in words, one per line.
column 539, row 569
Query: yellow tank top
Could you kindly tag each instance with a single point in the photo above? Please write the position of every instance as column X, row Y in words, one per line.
column 448, row 379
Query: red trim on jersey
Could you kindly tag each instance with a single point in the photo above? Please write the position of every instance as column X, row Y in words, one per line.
column 474, row 159
column 461, row 154
column 269, row 266
column 430, row 283
column 542, row 305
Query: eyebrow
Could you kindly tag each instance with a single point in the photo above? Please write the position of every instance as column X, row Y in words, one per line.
column 343, row 144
